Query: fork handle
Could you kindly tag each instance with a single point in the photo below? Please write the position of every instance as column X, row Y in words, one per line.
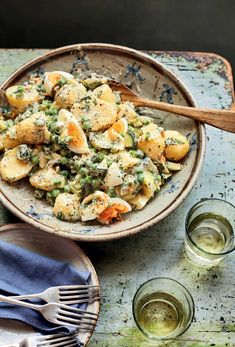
column 19, row 303
column 24, row 297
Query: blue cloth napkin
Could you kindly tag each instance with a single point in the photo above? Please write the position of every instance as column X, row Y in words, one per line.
column 25, row 272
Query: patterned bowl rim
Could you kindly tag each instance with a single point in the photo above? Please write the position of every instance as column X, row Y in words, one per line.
column 145, row 59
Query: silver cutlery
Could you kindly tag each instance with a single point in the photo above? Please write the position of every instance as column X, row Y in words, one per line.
column 56, row 340
column 59, row 313
column 69, row 295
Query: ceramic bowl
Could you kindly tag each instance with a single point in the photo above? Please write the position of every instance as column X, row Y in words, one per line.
column 148, row 78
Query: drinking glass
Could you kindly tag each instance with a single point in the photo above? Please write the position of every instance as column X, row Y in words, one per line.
column 210, row 228
column 162, row 308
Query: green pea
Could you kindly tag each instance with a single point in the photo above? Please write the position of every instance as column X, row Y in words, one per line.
column 86, row 125
column 111, row 192
column 88, row 180
column 77, row 165
column 82, row 181
column 140, row 177
column 98, row 157
column 67, row 188
column 139, row 171
column 55, row 193
column 83, row 171
column 20, row 89
column 35, row 160
column 65, row 173
column 57, row 181
column 93, row 166
column 63, row 160
column 84, row 119
column 51, row 112
column 96, row 183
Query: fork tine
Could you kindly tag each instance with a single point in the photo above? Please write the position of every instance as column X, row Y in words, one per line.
column 77, row 310
column 75, row 322
column 75, row 301
column 71, row 311
column 76, row 315
column 59, row 343
column 55, row 338
column 78, row 287
column 83, row 296
column 78, row 292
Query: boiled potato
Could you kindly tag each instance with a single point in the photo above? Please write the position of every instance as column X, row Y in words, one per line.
column 9, row 139
column 13, row 169
column 21, row 97
column 105, row 93
column 97, row 114
column 127, row 110
column 67, row 207
column 139, row 202
column 152, row 142
column 114, row 176
column 149, row 187
column 47, row 179
column 177, row 145
column 69, row 94
column 32, row 130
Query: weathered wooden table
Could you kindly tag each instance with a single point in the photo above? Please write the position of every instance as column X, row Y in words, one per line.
column 124, row 264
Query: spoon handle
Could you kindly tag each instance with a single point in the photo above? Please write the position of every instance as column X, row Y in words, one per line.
column 222, row 119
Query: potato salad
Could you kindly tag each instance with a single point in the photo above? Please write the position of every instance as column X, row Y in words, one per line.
column 89, row 155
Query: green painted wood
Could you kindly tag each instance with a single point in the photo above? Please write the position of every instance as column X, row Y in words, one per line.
column 125, row 264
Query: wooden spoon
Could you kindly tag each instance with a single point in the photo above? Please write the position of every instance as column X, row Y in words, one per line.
column 222, row 119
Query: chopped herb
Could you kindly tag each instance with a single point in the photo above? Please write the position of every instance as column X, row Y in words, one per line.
column 147, row 136
column 24, row 153
column 57, row 181
column 173, row 141
column 20, row 92
column 39, row 193
column 62, row 81
column 40, row 122
column 111, row 192
column 40, row 88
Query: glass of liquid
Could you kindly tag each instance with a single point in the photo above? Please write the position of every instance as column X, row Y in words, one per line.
column 210, row 226
column 162, row 308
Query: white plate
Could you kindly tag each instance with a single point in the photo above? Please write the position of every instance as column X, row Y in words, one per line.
column 55, row 247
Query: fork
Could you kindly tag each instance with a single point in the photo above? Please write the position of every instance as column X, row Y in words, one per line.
column 69, row 295
column 59, row 313
column 49, row 340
